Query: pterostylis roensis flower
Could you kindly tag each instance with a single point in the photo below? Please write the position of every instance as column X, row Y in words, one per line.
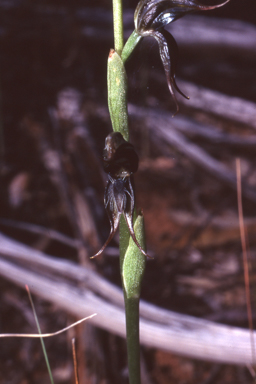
column 120, row 161
column 150, row 18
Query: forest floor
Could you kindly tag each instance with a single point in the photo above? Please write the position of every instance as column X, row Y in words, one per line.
column 54, row 121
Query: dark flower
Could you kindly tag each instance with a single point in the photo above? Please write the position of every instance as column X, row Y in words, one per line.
column 150, row 18
column 120, row 161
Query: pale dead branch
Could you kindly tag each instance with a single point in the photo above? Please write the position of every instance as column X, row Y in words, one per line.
column 161, row 126
column 228, row 107
column 181, row 334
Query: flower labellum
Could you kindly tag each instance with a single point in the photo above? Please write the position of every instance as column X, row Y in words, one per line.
column 150, row 18
column 120, row 161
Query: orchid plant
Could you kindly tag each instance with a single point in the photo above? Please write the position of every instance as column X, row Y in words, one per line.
column 120, row 160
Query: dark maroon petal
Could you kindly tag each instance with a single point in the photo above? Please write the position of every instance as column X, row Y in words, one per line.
column 155, row 14
column 129, row 221
column 168, row 50
column 114, row 201
column 128, row 214
column 119, row 157
column 111, row 235
column 119, row 199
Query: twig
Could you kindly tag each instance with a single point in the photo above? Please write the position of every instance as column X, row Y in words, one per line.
column 75, row 360
column 38, row 229
column 245, row 257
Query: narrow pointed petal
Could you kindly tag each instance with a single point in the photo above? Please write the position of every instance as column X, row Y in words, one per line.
column 114, row 206
column 128, row 214
column 114, row 211
column 129, row 221
column 173, row 52
column 209, row 7
column 168, row 50
column 110, row 237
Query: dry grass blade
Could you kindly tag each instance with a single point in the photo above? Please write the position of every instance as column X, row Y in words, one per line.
column 245, row 257
column 40, row 334
column 43, row 335
column 75, row 360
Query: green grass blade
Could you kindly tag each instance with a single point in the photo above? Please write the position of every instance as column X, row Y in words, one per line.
column 41, row 339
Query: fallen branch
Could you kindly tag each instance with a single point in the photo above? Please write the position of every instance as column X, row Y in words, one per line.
column 160, row 125
column 215, row 32
column 228, row 107
column 181, row 334
column 196, row 130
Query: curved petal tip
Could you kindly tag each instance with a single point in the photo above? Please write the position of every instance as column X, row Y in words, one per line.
column 111, row 235
column 209, row 7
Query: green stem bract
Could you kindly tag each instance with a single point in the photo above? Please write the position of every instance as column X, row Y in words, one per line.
column 132, row 265
column 117, row 89
column 118, row 25
column 132, row 260
column 130, row 45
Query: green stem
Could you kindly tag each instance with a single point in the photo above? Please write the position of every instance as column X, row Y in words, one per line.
column 132, row 265
column 132, row 261
column 130, row 45
column 133, row 339
column 118, row 26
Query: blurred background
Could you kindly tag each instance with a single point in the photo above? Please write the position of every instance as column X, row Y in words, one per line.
column 53, row 123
